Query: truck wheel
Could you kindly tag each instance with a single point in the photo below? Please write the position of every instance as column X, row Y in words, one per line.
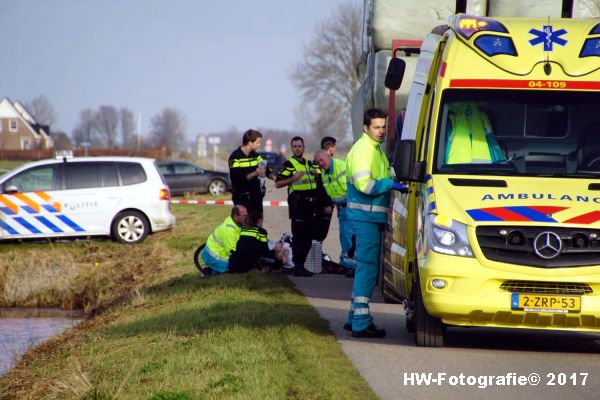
column 130, row 227
column 429, row 331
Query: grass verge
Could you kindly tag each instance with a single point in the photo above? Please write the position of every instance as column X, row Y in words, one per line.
column 171, row 335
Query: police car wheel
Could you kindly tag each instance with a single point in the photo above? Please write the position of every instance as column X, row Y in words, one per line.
column 216, row 187
column 130, row 227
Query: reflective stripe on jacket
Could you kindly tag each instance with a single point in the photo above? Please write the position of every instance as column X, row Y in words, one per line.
column 307, row 182
column 254, row 233
column 334, row 181
column 368, row 181
column 223, row 239
column 240, row 165
column 245, row 162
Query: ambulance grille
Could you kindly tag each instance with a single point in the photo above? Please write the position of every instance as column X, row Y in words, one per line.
column 515, row 245
column 567, row 288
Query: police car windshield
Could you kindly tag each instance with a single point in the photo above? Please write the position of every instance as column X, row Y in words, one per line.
column 518, row 132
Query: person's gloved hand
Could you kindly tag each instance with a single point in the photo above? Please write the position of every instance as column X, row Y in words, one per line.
column 399, row 186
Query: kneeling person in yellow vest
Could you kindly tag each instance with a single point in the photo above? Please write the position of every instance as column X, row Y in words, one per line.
column 223, row 240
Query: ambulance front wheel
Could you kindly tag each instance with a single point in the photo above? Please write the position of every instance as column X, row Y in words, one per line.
column 130, row 227
column 429, row 331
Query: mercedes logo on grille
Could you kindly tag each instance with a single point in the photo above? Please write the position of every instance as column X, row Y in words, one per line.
column 547, row 245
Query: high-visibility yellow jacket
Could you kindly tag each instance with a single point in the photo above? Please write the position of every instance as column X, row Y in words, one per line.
column 368, row 181
column 470, row 138
column 307, row 182
column 334, row 181
column 223, row 239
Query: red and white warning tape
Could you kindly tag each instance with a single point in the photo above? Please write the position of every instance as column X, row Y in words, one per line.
column 227, row 203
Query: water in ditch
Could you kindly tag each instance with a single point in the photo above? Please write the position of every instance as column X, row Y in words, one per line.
column 21, row 329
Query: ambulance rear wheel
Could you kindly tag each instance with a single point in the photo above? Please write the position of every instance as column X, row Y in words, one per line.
column 429, row 331
column 130, row 227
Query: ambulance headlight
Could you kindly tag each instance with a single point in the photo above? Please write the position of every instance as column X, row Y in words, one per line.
column 448, row 236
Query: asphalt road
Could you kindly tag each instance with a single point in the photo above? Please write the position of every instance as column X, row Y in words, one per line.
column 396, row 369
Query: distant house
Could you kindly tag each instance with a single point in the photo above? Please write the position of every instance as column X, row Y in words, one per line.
column 18, row 129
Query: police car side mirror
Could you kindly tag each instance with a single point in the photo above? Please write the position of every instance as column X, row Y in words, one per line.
column 12, row 189
column 404, row 164
column 395, row 73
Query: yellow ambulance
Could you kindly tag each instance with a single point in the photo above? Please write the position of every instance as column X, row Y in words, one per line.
column 501, row 143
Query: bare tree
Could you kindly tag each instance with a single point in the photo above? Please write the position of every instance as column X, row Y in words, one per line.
column 326, row 76
column 61, row 141
column 128, row 138
column 167, row 129
column 107, row 122
column 41, row 110
column 85, row 131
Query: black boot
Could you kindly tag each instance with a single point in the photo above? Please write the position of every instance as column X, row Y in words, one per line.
column 302, row 272
column 371, row 332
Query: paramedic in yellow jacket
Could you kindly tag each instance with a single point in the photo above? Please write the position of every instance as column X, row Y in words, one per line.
column 333, row 174
column 369, row 183
column 221, row 243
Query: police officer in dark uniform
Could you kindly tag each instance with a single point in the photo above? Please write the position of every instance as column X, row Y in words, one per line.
column 245, row 168
column 253, row 247
column 299, row 177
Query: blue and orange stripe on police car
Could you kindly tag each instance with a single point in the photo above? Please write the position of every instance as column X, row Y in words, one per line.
column 24, row 214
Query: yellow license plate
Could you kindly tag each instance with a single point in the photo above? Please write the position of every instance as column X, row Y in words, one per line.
column 545, row 303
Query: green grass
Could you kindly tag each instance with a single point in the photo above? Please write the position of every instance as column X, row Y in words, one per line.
column 249, row 336
column 7, row 165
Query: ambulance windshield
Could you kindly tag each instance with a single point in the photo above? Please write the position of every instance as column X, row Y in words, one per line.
column 518, row 132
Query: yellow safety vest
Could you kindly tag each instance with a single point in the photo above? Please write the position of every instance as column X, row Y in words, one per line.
column 467, row 141
column 307, row 182
column 223, row 240
column 334, row 181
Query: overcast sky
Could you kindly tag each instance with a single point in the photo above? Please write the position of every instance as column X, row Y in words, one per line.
column 221, row 63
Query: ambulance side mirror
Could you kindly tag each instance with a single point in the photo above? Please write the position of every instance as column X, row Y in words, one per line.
column 395, row 73
column 404, row 164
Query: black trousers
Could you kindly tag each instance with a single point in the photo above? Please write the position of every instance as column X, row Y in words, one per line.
column 252, row 201
column 321, row 224
column 301, row 207
column 302, row 232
